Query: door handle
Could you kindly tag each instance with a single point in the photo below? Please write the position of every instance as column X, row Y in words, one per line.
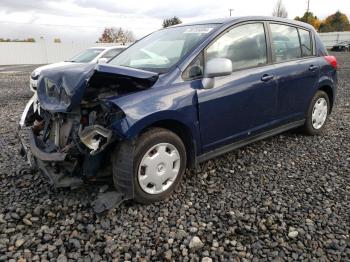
column 313, row 68
column 266, row 78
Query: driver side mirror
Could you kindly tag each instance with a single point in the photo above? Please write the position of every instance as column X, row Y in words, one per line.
column 216, row 67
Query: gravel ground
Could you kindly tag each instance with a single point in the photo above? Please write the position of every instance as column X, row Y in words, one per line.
column 284, row 198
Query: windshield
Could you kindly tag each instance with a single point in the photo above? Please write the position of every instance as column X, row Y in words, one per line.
column 162, row 49
column 86, row 56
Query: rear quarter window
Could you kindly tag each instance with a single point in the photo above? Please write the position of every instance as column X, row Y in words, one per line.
column 320, row 48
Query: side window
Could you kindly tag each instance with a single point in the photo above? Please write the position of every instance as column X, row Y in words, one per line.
column 305, row 41
column 285, row 40
column 244, row 45
column 111, row 53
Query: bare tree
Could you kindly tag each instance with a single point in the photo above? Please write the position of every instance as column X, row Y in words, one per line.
column 125, row 36
column 279, row 10
column 116, row 35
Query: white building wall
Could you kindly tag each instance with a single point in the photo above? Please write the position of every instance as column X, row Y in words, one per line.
column 41, row 52
column 329, row 39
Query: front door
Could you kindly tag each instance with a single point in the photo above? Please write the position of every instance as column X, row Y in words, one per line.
column 244, row 101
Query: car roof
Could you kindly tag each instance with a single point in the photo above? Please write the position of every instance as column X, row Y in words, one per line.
column 230, row 20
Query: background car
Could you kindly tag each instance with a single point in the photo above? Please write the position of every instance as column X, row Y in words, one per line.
column 93, row 55
column 342, row 46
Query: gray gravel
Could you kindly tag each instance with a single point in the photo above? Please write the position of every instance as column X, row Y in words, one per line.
column 285, row 198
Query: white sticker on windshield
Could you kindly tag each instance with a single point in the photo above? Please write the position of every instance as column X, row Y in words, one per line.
column 198, row 30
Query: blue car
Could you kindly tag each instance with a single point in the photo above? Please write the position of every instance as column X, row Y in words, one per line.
column 176, row 98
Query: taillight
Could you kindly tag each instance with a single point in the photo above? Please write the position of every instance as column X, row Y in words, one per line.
column 332, row 61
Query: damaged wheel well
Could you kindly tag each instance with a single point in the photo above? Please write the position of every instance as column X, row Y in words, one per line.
column 183, row 132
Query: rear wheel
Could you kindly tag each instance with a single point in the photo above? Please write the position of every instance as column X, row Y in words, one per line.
column 317, row 114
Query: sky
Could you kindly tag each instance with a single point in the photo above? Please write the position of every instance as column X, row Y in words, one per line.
column 84, row 20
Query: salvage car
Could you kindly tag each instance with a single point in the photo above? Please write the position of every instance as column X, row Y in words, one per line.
column 343, row 46
column 92, row 55
column 212, row 87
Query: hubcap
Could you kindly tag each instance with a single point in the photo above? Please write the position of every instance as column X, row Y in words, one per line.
column 159, row 168
column 319, row 113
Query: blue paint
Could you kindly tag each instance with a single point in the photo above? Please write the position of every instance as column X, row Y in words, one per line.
column 238, row 106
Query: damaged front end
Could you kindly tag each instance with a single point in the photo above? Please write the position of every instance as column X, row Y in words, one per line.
column 66, row 127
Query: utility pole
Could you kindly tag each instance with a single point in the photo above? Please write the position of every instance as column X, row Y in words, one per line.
column 307, row 11
column 231, row 11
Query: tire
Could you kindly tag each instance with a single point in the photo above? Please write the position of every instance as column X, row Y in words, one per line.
column 159, row 162
column 315, row 124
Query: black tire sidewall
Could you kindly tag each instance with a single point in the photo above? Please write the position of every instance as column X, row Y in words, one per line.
column 308, row 127
column 144, row 143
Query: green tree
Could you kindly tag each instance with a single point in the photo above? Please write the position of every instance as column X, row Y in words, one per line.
column 171, row 21
column 309, row 18
column 336, row 22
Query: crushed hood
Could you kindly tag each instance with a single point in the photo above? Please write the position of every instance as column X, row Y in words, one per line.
column 62, row 89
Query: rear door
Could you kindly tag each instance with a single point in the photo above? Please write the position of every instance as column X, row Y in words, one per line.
column 296, row 70
column 246, row 99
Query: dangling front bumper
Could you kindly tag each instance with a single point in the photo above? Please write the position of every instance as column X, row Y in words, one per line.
column 32, row 105
column 48, row 163
column 51, row 163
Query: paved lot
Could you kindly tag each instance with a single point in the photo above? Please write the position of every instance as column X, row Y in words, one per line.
column 284, row 198
column 15, row 69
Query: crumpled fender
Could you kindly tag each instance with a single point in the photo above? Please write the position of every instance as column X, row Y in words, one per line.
column 144, row 108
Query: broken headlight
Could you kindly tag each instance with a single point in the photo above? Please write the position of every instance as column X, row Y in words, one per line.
column 56, row 92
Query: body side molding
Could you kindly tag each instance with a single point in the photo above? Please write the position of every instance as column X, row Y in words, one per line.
column 247, row 141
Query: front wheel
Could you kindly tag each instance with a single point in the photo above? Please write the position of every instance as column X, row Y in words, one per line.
column 317, row 114
column 158, row 165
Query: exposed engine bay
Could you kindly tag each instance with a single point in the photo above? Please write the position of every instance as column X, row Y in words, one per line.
column 70, row 139
column 70, row 119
